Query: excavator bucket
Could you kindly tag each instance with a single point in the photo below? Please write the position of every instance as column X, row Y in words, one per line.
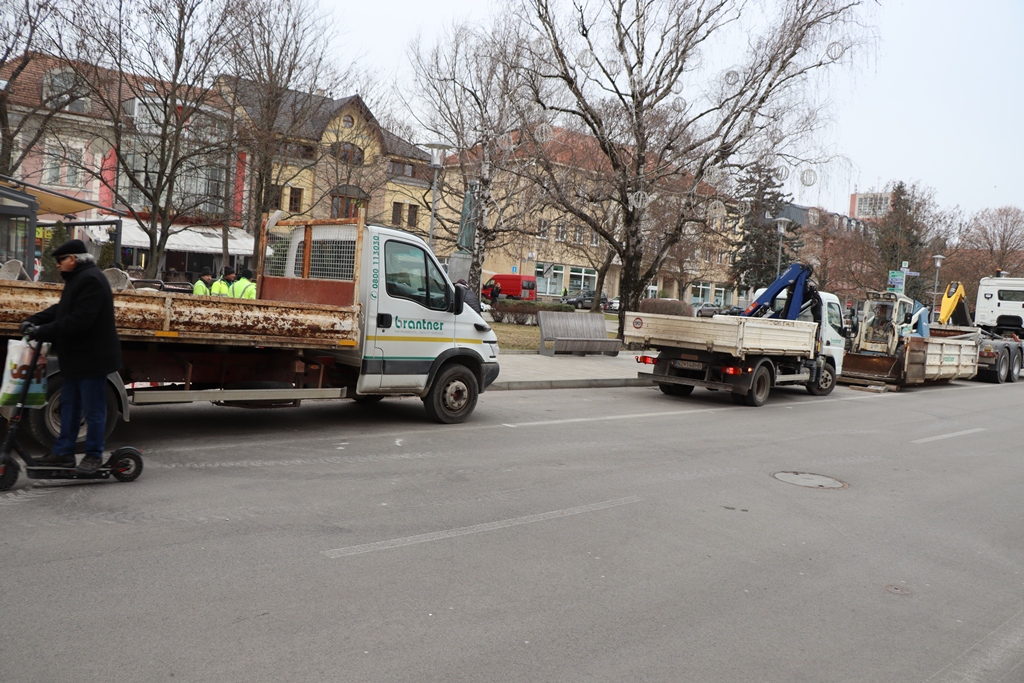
column 867, row 368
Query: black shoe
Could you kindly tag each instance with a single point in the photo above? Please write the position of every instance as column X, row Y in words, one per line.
column 54, row 460
column 89, row 464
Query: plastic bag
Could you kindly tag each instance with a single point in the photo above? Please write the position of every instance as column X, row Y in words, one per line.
column 16, row 373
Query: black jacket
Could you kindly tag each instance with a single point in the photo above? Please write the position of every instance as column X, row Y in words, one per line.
column 81, row 325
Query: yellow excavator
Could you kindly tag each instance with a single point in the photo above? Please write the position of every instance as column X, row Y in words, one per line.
column 953, row 310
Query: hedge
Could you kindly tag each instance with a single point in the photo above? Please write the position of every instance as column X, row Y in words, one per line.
column 665, row 307
column 523, row 312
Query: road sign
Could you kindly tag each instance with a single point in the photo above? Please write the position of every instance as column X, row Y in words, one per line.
column 911, row 273
column 905, row 264
column 515, row 269
column 897, row 279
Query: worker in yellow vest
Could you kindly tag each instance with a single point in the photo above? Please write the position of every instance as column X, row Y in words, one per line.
column 222, row 287
column 204, row 285
column 244, row 287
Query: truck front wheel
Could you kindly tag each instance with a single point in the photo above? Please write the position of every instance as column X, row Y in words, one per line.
column 825, row 384
column 760, row 387
column 453, row 395
column 44, row 423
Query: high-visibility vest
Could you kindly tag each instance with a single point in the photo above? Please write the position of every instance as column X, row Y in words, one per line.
column 200, row 288
column 222, row 288
column 243, row 288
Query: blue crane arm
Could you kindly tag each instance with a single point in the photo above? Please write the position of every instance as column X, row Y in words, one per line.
column 794, row 282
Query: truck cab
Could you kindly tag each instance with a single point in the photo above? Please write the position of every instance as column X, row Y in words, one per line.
column 1000, row 305
column 416, row 330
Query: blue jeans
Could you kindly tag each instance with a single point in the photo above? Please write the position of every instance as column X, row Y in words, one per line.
column 78, row 397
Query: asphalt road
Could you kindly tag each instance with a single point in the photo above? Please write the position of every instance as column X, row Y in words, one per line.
column 590, row 535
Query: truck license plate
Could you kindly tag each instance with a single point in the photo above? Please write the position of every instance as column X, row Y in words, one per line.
column 687, row 365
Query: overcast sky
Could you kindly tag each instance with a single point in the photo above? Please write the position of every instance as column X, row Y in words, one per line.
column 941, row 101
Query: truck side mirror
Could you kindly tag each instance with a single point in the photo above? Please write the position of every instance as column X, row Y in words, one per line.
column 459, row 300
column 908, row 318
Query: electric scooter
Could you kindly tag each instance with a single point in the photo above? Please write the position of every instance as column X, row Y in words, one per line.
column 124, row 464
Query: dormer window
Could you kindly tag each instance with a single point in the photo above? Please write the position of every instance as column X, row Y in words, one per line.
column 347, row 121
column 64, row 89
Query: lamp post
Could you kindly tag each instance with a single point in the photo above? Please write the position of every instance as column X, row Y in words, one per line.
column 935, row 292
column 780, row 224
column 437, row 150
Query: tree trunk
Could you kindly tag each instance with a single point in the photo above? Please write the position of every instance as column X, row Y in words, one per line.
column 602, row 272
column 630, row 289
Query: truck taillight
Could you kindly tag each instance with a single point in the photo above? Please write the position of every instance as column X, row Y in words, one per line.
column 732, row 370
column 646, row 360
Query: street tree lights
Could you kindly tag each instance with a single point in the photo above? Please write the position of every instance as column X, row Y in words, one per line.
column 935, row 292
column 781, row 224
column 437, row 150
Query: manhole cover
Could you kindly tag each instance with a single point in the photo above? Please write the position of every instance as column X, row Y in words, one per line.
column 899, row 590
column 811, row 481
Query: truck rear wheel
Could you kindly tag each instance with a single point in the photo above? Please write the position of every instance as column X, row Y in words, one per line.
column 1015, row 362
column 44, row 423
column 453, row 395
column 760, row 387
column 1002, row 369
column 825, row 384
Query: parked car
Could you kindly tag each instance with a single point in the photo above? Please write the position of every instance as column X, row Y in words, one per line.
column 706, row 309
column 583, row 298
column 613, row 305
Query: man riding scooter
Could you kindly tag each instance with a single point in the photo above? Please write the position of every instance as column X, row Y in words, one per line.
column 81, row 330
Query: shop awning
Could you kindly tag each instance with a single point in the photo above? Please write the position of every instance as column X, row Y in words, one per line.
column 193, row 239
column 51, row 202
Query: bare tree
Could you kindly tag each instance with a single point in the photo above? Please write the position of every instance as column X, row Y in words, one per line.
column 637, row 79
column 465, row 84
column 164, row 136
column 27, row 107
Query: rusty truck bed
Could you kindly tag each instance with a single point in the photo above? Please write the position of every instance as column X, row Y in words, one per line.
column 182, row 318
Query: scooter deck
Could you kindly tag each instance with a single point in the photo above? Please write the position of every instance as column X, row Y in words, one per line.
column 51, row 472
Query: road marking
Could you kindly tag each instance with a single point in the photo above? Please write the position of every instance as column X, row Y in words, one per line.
column 607, row 418
column 949, row 436
column 476, row 528
column 988, row 657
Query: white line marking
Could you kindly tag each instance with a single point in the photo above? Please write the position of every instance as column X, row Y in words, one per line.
column 986, row 657
column 606, row 418
column 949, row 436
column 476, row 528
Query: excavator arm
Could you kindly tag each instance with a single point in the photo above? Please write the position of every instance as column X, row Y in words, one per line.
column 954, row 306
column 798, row 291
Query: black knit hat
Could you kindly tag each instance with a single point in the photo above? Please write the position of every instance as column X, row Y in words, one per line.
column 246, row 273
column 205, row 272
column 228, row 270
column 70, row 248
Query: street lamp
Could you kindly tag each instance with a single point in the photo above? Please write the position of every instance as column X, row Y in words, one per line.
column 780, row 224
column 437, row 150
column 935, row 292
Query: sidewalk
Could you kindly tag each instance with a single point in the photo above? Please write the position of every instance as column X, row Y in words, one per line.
column 533, row 371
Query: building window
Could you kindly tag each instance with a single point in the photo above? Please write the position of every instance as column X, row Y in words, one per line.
column 413, row 211
column 347, row 153
column 295, row 200
column 396, row 213
column 274, row 197
column 561, row 233
column 549, row 278
column 51, row 166
column 578, row 234
column 347, row 121
column 701, row 292
column 582, row 278
column 595, row 239
column 345, row 207
column 65, row 90
column 542, row 229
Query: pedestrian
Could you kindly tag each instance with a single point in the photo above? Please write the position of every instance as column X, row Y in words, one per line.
column 204, row 285
column 244, row 287
column 84, row 337
column 471, row 298
column 495, row 293
column 222, row 287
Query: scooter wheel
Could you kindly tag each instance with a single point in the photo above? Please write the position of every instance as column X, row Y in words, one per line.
column 126, row 466
column 8, row 473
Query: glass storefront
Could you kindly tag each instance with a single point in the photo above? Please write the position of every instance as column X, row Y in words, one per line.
column 550, row 278
column 14, row 240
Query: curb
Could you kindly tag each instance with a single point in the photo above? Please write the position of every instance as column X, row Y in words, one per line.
column 611, row 383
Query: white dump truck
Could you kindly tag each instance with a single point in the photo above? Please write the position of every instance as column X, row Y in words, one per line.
column 345, row 310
